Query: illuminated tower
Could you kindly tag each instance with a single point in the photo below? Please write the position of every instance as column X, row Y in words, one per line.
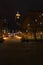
column 18, row 17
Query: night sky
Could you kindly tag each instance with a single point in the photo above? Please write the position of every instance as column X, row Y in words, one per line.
column 9, row 7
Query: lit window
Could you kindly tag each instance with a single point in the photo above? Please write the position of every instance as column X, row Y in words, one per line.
column 28, row 24
column 42, row 14
column 39, row 15
column 41, row 33
column 26, row 30
column 35, row 20
column 40, row 22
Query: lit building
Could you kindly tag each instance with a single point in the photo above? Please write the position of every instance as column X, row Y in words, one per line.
column 33, row 22
column 3, row 25
column 18, row 19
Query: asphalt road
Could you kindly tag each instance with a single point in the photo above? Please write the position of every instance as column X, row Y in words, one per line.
column 26, row 53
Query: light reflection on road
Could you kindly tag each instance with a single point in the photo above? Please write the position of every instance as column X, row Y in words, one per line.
column 12, row 39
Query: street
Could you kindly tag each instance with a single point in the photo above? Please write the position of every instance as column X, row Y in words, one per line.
column 21, row 53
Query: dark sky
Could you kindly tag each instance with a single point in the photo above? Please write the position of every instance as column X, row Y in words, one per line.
column 9, row 7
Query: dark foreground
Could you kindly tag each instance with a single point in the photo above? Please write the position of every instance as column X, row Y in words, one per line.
column 30, row 53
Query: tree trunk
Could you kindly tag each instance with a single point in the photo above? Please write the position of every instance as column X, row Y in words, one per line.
column 35, row 35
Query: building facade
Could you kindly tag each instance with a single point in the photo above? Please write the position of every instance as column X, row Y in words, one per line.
column 33, row 23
